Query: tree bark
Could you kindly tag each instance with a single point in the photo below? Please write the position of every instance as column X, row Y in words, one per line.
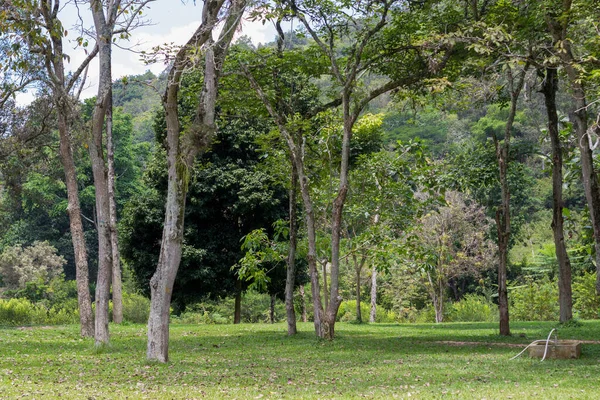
column 54, row 57
column 358, row 271
column 565, row 296
column 117, row 295
column 303, row 301
column 325, row 293
column 503, row 212
column 237, row 305
column 373, row 315
column 272, row 309
column 180, row 157
column 291, row 264
column 86, row 317
column 104, row 26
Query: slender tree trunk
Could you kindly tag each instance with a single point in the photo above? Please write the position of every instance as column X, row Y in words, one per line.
column 86, row 317
column 321, row 329
column 565, row 296
column 558, row 27
column 336, row 219
column 303, row 301
column 358, row 271
column 373, row 315
column 291, row 270
column 55, row 68
column 272, row 310
column 503, row 213
column 237, row 307
column 117, row 296
column 325, row 293
column 100, row 173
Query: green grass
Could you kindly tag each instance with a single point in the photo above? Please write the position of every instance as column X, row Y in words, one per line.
column 260, row 361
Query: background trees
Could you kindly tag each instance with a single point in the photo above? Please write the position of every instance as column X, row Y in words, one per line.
column 305, row 130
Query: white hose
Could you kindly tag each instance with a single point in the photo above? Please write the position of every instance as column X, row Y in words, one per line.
column 536, row 342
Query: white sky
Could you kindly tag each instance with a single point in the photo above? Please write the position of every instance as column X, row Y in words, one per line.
column 172, row 21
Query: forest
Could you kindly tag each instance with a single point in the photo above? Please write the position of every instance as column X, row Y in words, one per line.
column 390, row 161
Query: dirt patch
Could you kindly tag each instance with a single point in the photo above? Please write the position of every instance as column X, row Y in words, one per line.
column 514, row 345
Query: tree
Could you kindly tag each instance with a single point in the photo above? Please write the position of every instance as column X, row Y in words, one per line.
column 20, row 265
column 565, row 296
column 181, row 154
column 351, row 45
column 36, row 31
column 452, row 242
column 560, row 24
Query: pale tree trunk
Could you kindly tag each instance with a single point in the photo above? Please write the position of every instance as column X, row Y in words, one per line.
column 358, row 267
column 336, row 219
column 437, row 298
column 503, row 213
column 117, row 296
column 291, row 264
column 104, row 26
column 303, row 316
column 565, row 295
column 324, row 271
column 54, row 57
column 180, row 158
column 373, row 314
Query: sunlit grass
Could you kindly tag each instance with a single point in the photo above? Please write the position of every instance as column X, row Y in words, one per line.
column 260, row 361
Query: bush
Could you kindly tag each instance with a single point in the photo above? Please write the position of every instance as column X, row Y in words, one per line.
column 347, row 312
column 136, row 308
column 17, row 312
column 586, row 303
column 473, row 308
column 535, row 301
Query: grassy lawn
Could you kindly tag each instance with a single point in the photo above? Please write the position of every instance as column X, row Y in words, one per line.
column 260, row 361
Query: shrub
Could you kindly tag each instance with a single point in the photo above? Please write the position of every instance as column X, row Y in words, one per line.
column 18, row 312
column 20, row 265
column 347, row 312
column 586, row 303
column 136, row 308
column 473, row 308
column 535, row 301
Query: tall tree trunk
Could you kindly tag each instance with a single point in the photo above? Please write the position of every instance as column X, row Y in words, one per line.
column 565, row 296
column 237, row 305
column 117, row 296
column 303, row 316
column 86, row 317
column 272, row 309
column 503, row 212
column 358, row 271
column 373, row 314
column 296, row 152
column 96, row 149
column 55, row 68
column 558, row 27
column 291, row 264
column 336, row 219
column 180, row 158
